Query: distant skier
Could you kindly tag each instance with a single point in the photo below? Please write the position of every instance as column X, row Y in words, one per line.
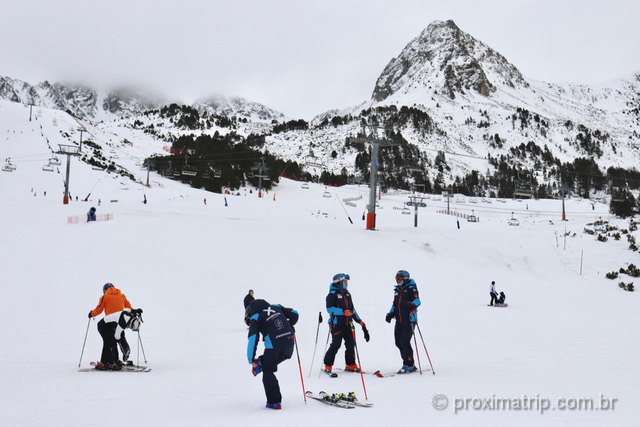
column 113, row 303
column 493, row 293
column 275, row 323
column 501, row 298
column 341, row 314
column 91, row 215
column 404, row 309
column 248, row 299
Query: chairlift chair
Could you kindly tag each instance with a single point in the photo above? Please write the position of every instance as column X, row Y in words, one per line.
column 326, row 194
column 304, row 186
column 54, row 161
column 189, row 172
column 472, row 218
column 406, row 211
column 47, row 168
column 177, row 173
column 513, row 222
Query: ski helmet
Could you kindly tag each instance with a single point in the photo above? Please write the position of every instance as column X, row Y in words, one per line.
column 107, row 286
column 340, row 277
column 402, row 274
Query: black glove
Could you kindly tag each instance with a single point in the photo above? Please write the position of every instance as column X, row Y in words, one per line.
column 411, row 305
column 90, row 316
column 366, row 333
column 389, row 317
column 137, row 311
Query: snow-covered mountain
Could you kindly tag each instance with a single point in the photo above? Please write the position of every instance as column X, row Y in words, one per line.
column 444, row 58
column 445, row 92
column 463, row 97
column 238, row 107
column 98, row 105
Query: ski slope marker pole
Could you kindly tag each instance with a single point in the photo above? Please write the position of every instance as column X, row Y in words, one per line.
column 304, row 392
column 315, row 347
column 84, row 342
column 355, row 344
column 415, row 343
column 425, row 348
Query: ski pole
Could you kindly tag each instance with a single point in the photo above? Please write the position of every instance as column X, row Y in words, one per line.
column 415, row 344
column 142, row 347
column 84, row 342
column 425, row 348
column 315, row 347
column 355, row 344
column 304, row 392
column 326, row 344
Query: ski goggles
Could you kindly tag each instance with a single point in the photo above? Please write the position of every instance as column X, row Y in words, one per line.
column 342, row 279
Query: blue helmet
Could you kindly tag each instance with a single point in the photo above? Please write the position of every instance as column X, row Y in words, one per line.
column 402, row 274
column 107, row 286
column 340, row 277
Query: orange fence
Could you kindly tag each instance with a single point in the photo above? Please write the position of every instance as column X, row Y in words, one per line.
column 83, row 218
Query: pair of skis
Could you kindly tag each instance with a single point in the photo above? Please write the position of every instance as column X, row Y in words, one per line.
column 125, row 368
column 345, row 401
column 376, row 373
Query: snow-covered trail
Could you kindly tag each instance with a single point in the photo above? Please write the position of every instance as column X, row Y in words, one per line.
column 189, row 266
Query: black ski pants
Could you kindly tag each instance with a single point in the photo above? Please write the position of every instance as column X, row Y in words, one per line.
column 270, row 360
column 109, row 343
column 339, row 333
column 403, row 334
column 124, row 347
column 494, row 297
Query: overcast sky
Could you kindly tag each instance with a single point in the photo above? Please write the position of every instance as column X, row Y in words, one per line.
column 300, row 57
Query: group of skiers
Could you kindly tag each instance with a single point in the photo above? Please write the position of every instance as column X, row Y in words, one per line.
column 276, row 324
column 494, row 295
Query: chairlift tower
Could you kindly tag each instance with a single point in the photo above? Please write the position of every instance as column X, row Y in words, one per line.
column 416, row 202
column 260, row 171
column 375, row 143
column 69, row 150
column 81, row 130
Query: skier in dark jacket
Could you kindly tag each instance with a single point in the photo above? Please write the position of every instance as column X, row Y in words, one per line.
column 275, row 323
column 91, row 215
column 405, row 310
column 341, row 315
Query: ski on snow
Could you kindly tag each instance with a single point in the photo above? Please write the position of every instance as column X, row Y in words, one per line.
column 125, row 368
column 338, row 403
column 349, row 398
column 329, row 373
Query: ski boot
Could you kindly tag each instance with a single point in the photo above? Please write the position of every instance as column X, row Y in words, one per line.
column 352, row 368
column 276, row 406
column 100, row 366
column 327, row 369
column 407, row 369
column 114, row 366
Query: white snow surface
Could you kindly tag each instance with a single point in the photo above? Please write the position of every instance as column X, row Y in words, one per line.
column 189, row 264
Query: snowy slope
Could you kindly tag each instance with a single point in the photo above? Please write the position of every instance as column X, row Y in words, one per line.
column 188, row 265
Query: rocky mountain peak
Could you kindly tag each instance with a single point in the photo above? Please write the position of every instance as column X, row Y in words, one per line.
column 446, row 60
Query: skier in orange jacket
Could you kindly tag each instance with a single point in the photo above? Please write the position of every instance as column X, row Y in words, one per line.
column 115, row 305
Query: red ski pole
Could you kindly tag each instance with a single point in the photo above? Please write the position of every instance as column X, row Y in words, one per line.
column 364, row 387
column 425, row 349
column 304, row 392
column 415, row 344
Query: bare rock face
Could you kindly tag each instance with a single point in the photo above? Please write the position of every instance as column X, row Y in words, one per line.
column 444, row 58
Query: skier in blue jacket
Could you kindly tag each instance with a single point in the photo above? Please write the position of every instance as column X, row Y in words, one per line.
column 341, row 314
column 275, row 323
column 405, row 311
